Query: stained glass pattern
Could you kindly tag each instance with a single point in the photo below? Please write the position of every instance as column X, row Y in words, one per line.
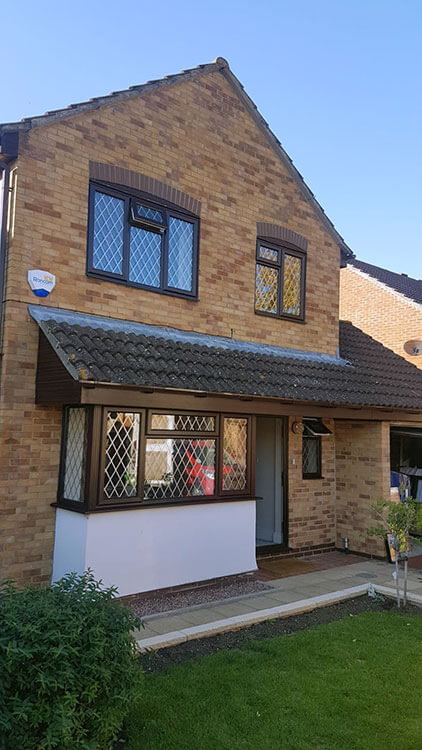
column 180, row 254
column 266, row 285
column 292, row 285
column 235, row 453
column 108, row 233
column 75, row 462
column 268, row 253
column 121, row 457
column 145, row 257
column 183, row 422
column 178, row 467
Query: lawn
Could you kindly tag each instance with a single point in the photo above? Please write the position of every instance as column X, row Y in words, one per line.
column 355, row 684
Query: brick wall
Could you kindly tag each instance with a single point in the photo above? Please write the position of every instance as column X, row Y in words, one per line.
column 311, row 501
column 362, row 477
column 381, row 313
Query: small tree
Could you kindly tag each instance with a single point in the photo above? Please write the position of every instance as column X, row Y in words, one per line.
column 398, row 519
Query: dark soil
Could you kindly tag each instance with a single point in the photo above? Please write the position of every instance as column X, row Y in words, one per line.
column 155, row 661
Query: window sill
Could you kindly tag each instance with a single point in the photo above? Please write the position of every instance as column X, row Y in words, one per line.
column 274, row 316
column 148, row 505
column 122, row 282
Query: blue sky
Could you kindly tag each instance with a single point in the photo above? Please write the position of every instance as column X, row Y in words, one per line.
column 338, row 81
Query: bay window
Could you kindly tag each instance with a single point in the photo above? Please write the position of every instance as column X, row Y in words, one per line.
column 147, row 457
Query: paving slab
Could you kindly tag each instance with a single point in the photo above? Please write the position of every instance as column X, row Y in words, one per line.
column 287, row 596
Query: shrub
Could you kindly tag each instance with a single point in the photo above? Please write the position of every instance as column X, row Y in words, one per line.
column 68, row 668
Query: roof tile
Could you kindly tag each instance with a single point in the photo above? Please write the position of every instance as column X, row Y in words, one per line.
column 368, row 375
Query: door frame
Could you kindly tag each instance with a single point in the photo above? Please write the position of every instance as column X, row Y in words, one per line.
column 284, row 546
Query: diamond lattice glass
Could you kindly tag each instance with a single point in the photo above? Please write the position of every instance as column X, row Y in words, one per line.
column 310, row 455
column 268, row 253
column 145, row 257
column 121, row 459
column 176, row 467
column 266, row 284
column 108, row 233
column 183, row 422
column 145, row 212
column 180, row 255
column 292, row 284
column 75, row 461
column 235, row 453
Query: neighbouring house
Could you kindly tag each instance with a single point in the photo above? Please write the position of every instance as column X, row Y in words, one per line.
column 385, row 305
column 185, row 397
column 388, row 307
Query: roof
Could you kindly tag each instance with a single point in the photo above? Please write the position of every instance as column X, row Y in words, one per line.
column 107, row 350
column 219, row 65
column 400, row 282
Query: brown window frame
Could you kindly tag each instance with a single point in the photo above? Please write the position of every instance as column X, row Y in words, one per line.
column 130, row 198
column 95, row 499
column 283, row 249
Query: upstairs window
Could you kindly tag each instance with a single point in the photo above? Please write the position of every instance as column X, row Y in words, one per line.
column 140, row 243
column 280, row 281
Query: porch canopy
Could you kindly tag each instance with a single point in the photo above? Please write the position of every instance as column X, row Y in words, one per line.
column 80, row 353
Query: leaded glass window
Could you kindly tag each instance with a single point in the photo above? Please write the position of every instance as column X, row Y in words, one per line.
column 75, row 445
column 179, row 467
column 141, row 243
column 279, row 281
column 311, row 453
column 135, row 457
column 121, row 455
column 183, row 422
column 234, row 453
column 108, row 233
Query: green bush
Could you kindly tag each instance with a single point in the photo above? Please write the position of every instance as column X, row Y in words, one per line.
column 68, row 667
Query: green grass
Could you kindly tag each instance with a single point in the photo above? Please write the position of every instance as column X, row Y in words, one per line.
column 355, row 684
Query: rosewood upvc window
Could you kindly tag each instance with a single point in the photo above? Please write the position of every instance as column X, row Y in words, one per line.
column 313, row 430
column 138, row 242
column 279, row 281
column 145, row 457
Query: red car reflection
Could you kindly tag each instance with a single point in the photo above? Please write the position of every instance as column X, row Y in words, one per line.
column 201, row 467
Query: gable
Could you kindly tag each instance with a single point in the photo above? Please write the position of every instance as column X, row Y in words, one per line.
column 221, row 66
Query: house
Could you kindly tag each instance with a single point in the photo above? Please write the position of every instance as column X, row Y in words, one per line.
column 185, row 397
column 388, row 307
column 384, row 304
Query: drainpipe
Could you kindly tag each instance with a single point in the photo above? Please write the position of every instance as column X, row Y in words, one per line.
column 4, row 197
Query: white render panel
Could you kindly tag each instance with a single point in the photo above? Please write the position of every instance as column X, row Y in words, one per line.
column 151, row 548
column 69, row 543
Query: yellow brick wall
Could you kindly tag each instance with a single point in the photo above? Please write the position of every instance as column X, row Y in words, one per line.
column 311, row 501
column 362, row 477
column 382, row 314
column 195, row 136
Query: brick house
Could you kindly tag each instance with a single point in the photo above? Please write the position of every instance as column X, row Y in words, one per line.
column 185, row 397
column 384, row 304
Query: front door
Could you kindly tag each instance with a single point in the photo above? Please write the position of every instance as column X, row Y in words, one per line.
column 269, row 481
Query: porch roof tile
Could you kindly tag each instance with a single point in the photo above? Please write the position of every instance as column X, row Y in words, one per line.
column 108, row 350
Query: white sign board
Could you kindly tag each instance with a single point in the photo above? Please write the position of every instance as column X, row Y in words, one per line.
column 41, row 282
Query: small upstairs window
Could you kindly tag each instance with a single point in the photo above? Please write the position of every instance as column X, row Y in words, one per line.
column 280, row 281
column 138, row 242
